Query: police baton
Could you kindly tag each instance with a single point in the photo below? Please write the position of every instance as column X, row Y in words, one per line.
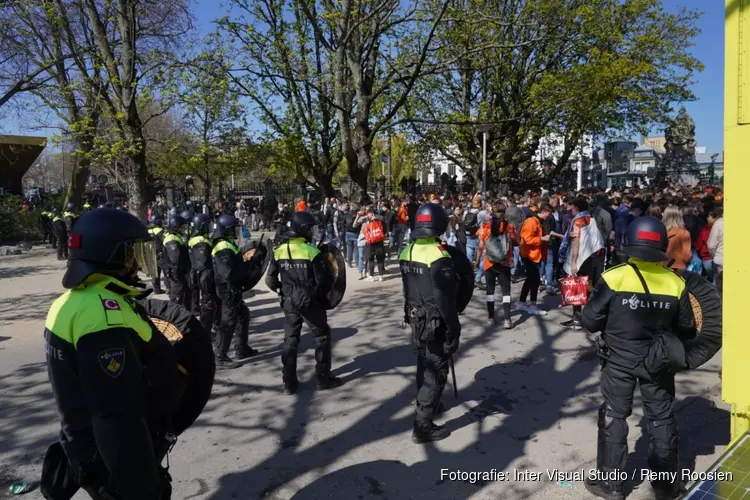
column 453, row 374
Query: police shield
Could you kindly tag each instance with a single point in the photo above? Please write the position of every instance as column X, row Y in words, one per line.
column 257, row 256
column 706, row 306
column 334, row 261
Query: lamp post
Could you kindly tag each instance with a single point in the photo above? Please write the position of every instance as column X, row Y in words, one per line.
column 484, row 128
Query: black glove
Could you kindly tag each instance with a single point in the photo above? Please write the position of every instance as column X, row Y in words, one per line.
column 450, row 346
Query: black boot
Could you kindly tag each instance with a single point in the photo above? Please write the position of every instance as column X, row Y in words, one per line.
column 244, row 351
column 291, row 386
column 668, row 491
column 602, row 489
column 428, row 433
column 226, row 363
column 329, row 382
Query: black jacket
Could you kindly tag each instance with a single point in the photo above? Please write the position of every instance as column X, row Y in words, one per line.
column 298, row 271
column 200, row 253
column 620, row 309
column 115, row 379
column 230, row 271
column 432, row 278
column 389, row 219
column 176, row 255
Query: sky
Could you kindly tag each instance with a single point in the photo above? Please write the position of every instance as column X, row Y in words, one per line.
column 707, row 111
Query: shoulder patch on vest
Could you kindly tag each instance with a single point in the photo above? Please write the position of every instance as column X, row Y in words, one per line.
column 110, row 305
column 112, row 361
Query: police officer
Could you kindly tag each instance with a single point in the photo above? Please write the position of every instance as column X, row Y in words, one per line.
column 114, row 377
column 45, row 224
column 201, row 281
column 299, row 275
column 637, row 306
column 230, row 273
column 177, row 261
column 157, row 233
column 61, row 234
column 434, row 276
column 70, row 216
column 87, row 207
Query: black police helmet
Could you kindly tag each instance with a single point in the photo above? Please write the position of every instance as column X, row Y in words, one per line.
column 430, row 221
column 225, row 225
column 55, row 211
column 188, row 215
column 301, row 224
column 70, row 207
column 202, row 224
column 175, row 223
column 121, row 208
column 646, row 239
column 99, row 244
column 156, row 220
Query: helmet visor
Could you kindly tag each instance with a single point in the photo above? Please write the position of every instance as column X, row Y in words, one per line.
column 145, row 256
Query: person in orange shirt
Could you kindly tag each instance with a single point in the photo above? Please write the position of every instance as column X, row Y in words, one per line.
column 301, row 206
column 402, row 227
column 679, row 247
column 498, row 273
column 533, row 250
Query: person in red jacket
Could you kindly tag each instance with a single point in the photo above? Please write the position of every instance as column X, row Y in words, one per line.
column 701, row 246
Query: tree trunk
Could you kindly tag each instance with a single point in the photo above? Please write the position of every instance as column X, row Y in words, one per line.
column 137, row 186
column 80, row 173
column 361, row 170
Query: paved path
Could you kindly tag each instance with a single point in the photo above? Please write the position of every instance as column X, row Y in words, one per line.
column 528, row 401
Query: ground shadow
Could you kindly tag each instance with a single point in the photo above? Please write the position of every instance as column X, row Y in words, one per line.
column 31, row 306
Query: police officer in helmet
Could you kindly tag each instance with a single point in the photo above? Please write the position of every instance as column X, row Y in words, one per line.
column 230, row 273
column 114, row 376
column 177, row 261
column 201, row 280
column 59, row 227
column 299, row 275
column 643, row 310
column 438, row 282
column 156, row 231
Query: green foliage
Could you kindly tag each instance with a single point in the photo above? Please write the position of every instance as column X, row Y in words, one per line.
column 563, row 68
column 15, row 224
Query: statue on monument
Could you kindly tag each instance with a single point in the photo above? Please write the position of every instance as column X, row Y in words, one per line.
column 679, row 147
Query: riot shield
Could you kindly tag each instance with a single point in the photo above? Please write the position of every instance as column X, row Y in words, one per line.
column 335, row 263
column 195, row 356
column 257, row 256
column 706, row 306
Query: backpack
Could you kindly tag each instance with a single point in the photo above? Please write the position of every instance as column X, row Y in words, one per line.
column 373, row 232
column 497, row 247
column 471, row 224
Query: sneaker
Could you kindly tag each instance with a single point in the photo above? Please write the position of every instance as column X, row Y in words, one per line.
column 226, row 363
column 603, row 490
column 491, row 322
column 244, row 352
column 432, row 432
column 361, row 276
column 370, row 277
column 572, row 324
column 380, row 278
column 551, row 290
column 535, row 311
column 508, row 324
column 329, row 382
column 522, row 307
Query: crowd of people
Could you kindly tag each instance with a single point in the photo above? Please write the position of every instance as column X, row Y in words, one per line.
column 547, row 235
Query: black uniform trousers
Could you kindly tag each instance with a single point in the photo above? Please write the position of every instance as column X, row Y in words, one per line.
column 62, row 243
column 432, row 371
column 177, row 287
column 658, row 393
column 316, row 318
column 235, row 321
column 204, row 293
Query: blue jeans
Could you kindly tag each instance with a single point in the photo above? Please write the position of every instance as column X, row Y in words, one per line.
column 350, row 240
column 516, row 259
column 360, row 259
column 708, row 270
column 549, row 269
column 471, row 248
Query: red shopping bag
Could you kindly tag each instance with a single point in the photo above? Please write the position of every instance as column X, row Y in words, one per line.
column 574, row 291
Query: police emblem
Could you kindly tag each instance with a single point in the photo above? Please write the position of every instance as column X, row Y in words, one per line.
column 112, row 361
